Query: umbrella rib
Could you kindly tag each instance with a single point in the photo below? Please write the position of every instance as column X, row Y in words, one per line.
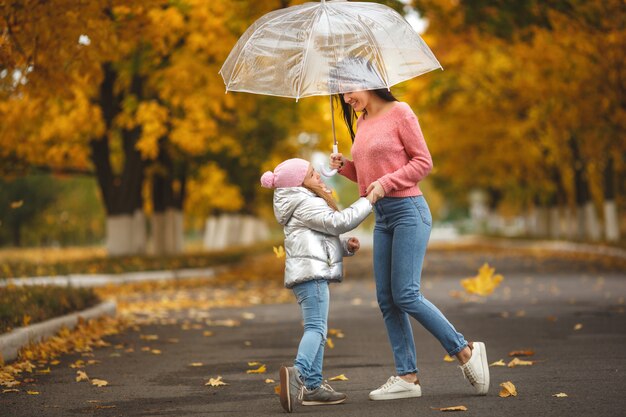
column 306, row 50
column 376, row 48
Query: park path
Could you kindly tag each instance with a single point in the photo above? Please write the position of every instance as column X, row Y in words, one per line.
column 539, row 306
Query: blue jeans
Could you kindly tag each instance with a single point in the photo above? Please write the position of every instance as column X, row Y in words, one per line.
column 313, row 297
column 401, row 235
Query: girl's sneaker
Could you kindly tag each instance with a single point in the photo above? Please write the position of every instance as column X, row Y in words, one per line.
column 395, row 388
column 322, row 395
column 290, row 388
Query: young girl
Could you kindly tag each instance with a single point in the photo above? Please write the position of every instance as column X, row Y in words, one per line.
column 314, row 254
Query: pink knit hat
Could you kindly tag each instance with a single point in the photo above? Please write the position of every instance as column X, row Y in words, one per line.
column 289, row 173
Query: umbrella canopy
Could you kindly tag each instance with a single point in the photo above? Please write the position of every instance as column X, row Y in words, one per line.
column 326, row 48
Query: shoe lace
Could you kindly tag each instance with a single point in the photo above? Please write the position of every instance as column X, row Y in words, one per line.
column 389, row 383
column 469, row 374
column 301, row 392
column 327, row 387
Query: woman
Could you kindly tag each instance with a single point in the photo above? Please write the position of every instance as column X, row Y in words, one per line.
column 390, row 158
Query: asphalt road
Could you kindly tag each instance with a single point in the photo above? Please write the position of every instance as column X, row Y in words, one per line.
column 537, row 307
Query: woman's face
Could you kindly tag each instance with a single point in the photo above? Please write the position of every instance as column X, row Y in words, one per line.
column 314, row 180
column 357, row 99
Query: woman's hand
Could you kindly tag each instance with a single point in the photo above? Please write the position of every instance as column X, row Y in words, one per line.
column 336, row 161
column 375, row 192
column 353, row 244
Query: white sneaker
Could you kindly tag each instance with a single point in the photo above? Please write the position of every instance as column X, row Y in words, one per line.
column 395, row 388
column 476, row 369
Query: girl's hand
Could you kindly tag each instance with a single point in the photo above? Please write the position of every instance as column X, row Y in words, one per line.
column 375, row 192
column 353, row 244
column 336, row 160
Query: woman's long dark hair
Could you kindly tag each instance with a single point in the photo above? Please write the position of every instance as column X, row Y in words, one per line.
column 349, row 115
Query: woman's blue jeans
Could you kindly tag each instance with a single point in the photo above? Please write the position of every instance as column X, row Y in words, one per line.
column 313, row 297
column 401, row 235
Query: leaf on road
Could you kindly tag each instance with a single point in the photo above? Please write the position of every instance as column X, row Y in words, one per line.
column 216, row 382
column 32, row 392
column 341, row 377
column 248, row 316
column 261, row 370
column 43, row 371
column 508, row 389
column 560, row 395
column 156, row 351
column 337, row 333
column 196, row 364
column 149, row 337
column 329, row 343
column 81, row 376
column 279, row 251
column 254, row 364
column 448, row 358
column 99, row 382
column 4, row 391
column 207, row 333
column 522, row 353
column 269, row 381
column 277, row 389
column 455, row 408
column 78, row 364
column 519, row 362
column 578, row 326
column 484, row 283
column 498, row 363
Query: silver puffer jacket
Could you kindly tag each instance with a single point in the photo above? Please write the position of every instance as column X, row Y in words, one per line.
column 312, row 245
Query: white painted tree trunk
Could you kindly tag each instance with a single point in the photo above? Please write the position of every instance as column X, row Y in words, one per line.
column 569, row 224
column 247, row 235
column 126, row 234
column 555, row 223
column 209, row 232
column 581, row 229
column 167, row 232
column 593, row 230
column 611, row 221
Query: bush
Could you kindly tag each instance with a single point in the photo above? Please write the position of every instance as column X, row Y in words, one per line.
column 21, row 306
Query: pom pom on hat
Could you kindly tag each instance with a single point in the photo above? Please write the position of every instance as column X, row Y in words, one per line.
column 290, row 173
column 267, row 179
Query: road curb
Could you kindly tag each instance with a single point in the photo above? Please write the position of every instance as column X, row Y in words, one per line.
column 12, row 342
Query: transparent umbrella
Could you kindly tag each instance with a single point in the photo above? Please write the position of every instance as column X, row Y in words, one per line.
column 326, row 48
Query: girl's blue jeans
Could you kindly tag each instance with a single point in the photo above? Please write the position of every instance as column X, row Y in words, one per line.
column 401, row 235
column 313, row 298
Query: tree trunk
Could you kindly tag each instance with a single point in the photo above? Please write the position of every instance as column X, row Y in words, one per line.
column 167, row 221
column 581, row 188
column 121, row 193
column 611, row 216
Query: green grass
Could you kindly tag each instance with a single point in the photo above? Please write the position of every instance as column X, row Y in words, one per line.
column 23, row 305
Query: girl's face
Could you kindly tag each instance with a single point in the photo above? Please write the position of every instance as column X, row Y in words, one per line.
column 357, row 99
column 314, row 180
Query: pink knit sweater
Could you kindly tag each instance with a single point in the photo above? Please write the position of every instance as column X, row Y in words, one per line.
column 391, row 149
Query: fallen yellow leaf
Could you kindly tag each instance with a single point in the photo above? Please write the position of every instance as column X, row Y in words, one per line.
column 521, row 353
column 484, row 283
column 336, row 332
column 560, row 395
column 156, row 351
column 279, row 251
column 196, row 364
column 43, row 371
column 329, row 343
column 277, row 389
column 216, row 382
column 81, row 376
column 518, row 362
column 448, row 358
column 32, row 392
column 455, row 408
column 254, row 364
column 341, row 377
column 498, row 363
column 578, row 326
column 99, row 382
column 269, row 381
column 508, row 389
column 4, row 391
column 149, row 337
column 261, row 370
column 207, row 333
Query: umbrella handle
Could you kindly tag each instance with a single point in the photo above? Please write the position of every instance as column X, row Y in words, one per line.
column 327, row 172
